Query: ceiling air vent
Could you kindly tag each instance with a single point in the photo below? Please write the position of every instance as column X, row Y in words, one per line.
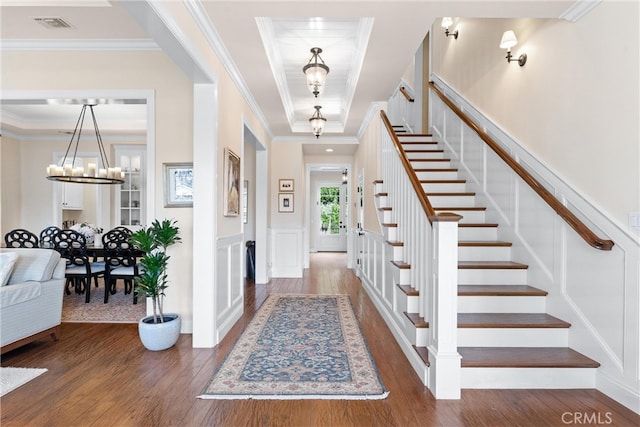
column 53, row 22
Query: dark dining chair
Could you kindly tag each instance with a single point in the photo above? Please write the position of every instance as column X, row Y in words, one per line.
column 46, row 236
column 121, row 263
column 20, row 238
column 80, row 270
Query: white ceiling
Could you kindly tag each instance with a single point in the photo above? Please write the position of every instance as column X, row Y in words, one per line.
column 368, row 45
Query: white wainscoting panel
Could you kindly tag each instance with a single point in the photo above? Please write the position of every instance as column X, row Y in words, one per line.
column 229, row 286
column 287, row 252
column 596, row 291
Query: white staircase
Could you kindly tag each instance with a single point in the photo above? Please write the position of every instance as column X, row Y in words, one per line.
column 505, row 337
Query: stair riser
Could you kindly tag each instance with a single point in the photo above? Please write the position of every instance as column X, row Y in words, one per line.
column 395, row 253
column 513, row 337
column 468, row 217
column 416, row 140
column 457, row 201
column 484, row 253
column 390, row 233
column 500, row 304
column 425, row 155
column 477, row 233
column 408, row 303
column 492, row 277
column 416, row 336
column 401, row 276
column 386, row 216
column 378, row 187
column 431, row 175
column 448, row 187
column 382, row 202
column 425, row 164
column 420, row 146
column 523, row 378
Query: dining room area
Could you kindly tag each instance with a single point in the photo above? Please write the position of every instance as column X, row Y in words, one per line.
column 69, row 188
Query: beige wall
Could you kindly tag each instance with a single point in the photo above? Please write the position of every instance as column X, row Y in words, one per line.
column 575, row 103
column 10, row 185
column 368, row 158
column 286, row 161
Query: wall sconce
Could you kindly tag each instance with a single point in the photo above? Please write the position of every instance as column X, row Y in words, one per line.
column 446, row 23
column 507, row 42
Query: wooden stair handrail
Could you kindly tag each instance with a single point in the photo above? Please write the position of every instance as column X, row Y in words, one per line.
column 422, row 197
column 403, row 91
column 583, row 230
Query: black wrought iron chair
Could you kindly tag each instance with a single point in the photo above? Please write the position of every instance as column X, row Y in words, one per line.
column 46, row 236
column 20, row 238
column 121, row 263
column 80, row 270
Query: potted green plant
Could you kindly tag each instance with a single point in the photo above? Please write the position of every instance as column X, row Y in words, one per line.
column 160, row 330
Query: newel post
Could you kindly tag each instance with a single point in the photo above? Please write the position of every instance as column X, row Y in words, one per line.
column 444, row 371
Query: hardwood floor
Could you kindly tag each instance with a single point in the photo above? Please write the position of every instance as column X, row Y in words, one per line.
column 100, row 375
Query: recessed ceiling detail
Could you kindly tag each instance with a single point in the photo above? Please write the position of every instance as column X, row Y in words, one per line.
column 344, row 43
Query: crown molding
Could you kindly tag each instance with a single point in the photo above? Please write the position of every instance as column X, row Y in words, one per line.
column 211, row 34
column 579, row 9
column 79, row 44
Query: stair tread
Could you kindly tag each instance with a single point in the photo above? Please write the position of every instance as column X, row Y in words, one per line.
column 435, row 170
column 452, row 193
column 484, row 243
column 429, row 160
column 385, row 208
column 499, row 290
column 381, row 194
column 524, row 357
column 408, row 290
column 477, row 224
column 423, row 352
column 395, row 243
column 422, row 151
column 460, row 208
column 510, row 320
column 401, row 265
column 488, row 265
column 414, row 135
column 443, row 181
column 389, row 224
column 417, row 321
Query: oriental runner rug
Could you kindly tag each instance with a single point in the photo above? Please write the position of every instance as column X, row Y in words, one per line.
column 12, row 378
column 299, row 347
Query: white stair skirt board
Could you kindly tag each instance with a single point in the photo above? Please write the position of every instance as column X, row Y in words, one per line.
column 513, row 337
column 563, row 378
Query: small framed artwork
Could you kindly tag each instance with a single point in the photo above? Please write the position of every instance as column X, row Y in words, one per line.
column 285, row 202
column 178, row 185
column 286, row 185
column 231, row 183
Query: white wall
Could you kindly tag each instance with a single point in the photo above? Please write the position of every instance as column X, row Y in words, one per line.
column 576, row 98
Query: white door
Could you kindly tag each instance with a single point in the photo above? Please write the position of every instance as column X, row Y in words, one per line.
column 332, row 217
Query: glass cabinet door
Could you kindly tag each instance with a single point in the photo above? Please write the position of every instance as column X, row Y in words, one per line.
column 130, row 198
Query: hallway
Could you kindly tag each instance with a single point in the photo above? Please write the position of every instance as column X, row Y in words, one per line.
column 99, row 374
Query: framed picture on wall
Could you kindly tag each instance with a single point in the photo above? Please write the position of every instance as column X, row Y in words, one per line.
column 285, row 202
column 286, row 185
column 178, row 185
column 231, row 183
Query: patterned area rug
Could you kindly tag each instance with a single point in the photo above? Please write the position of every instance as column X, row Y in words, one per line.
column 119, row 309
column 299, row 347
column 12, row 378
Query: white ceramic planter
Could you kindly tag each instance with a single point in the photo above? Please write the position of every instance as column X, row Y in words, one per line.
column 160, row 336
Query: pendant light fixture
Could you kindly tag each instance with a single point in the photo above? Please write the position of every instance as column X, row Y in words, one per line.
column 317, row 122
column 70, row 171
column 316, row 72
